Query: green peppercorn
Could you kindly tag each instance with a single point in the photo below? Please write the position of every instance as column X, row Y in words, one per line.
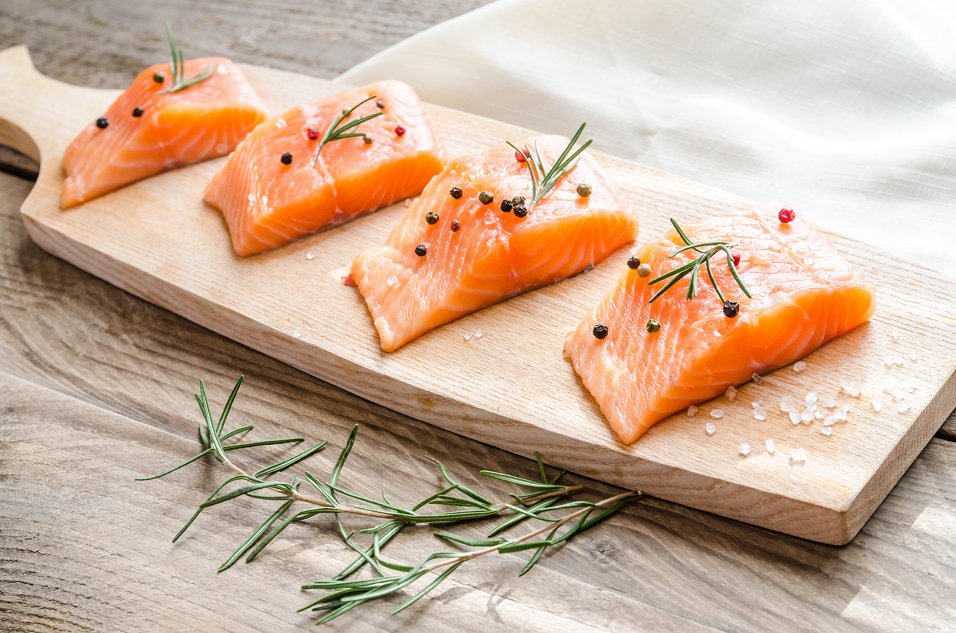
column 485, row 197
column 517, row 200
column 584, row 189
column 653, row 326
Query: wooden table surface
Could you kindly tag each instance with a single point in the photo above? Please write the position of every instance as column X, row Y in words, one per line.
column 96, row 388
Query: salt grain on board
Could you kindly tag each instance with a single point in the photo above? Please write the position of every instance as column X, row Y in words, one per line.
column 798, row 456
column 876, row 404
column 770, row 446
column 717, row 414
column 731, row 393
column 310, row 255
column 852, row 389
column 827, row 430
column 297, row 333
column 799, row 366
column 744, row 449
column 692, row 411
column 903, row 407
column 757, row 378
column 710, row 428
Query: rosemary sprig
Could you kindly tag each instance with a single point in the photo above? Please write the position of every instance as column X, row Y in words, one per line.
column 177, row 66
column 454, row 503
column 707, row 251
column 544, row 179
column 339, row 130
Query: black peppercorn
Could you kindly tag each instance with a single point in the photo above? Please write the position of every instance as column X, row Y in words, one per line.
column 286, row 159
column 520, row 210
column 420, row 250
column 102, row 122
column 600, row 331
column 633, row 262
column 506, row 206
column 137, row 112
column 159, row 78
column 431, row 217
column 731, row 308
column 455, row 193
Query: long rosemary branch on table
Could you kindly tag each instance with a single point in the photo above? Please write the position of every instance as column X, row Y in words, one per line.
column 452, row 504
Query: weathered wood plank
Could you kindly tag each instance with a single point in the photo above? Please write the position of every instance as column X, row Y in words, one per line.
column 82, row 546
column 103, row 44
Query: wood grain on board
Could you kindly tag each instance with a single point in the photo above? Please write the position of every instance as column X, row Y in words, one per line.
column 157, row 240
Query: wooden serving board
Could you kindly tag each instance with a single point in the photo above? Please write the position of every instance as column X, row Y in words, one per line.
column 511, row 387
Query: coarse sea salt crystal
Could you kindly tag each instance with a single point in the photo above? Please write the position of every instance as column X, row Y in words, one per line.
column 811, row 398
column 770, row 446
column 710, row 428
column 876, row 404
column 903, row 407
column 851, row 388
column 798, row 456
column 731, row 393
column 829, row 420
column 760, row 415
column 466, row 336
column 818, row 414
column 310, row 255
column 807, row 415
column 717, row 414
column 479, row 333
column 744, row 449
column 757, row 378
column 692, row 411
column 827, row 430
column 756, row 404
column 794, row 417
column 786, row 404
column 297, row 333
column 897, row 394
column 799, row 366
column 842, row 413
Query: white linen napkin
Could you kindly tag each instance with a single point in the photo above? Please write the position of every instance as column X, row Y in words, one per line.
column 844, row 111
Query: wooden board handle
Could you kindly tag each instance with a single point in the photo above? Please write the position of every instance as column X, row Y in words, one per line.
column 35, row 110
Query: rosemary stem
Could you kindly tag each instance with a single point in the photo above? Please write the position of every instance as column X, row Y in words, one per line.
column 534, row 533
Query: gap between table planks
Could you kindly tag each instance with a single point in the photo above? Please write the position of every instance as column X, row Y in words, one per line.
column 512, row 388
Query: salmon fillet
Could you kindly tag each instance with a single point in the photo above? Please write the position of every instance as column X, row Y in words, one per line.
column 267, row 203
column 148, row 131
column 804, row 294
column 493, row 254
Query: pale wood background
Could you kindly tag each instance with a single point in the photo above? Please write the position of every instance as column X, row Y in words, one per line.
column 95, row 384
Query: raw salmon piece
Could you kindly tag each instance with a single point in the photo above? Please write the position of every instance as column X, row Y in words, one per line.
column 493, row 255
column 267, row 203
column 804, row 294
column 201, row 122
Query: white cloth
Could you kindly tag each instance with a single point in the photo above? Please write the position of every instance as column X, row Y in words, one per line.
column 844, row 111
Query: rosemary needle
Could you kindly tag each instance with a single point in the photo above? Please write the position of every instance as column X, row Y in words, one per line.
column 692, row 268
column 540, row 500
column 543, row 179
column 177, row 66
column 339, row 130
